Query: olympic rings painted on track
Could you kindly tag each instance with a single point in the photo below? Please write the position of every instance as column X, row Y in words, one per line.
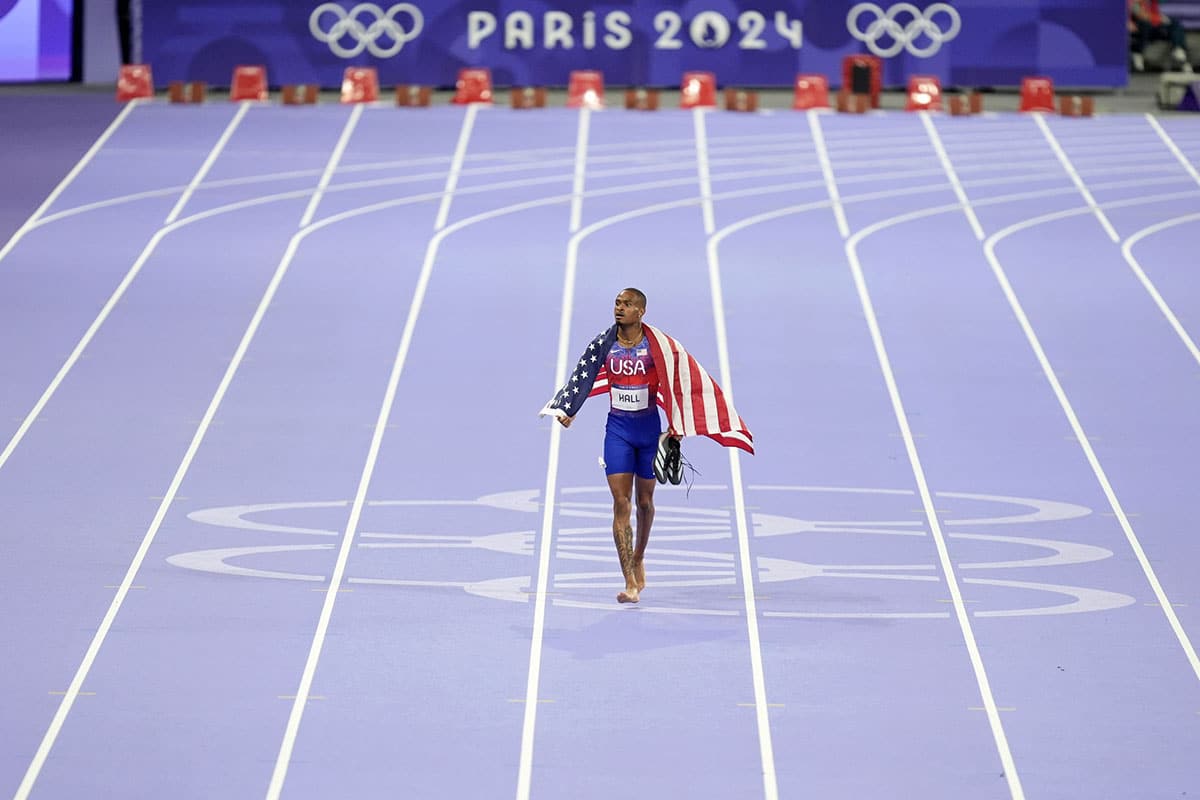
column 887, row 25
column 366, row 37
column 413, row 550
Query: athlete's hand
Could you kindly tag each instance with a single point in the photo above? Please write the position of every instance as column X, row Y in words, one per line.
column 565, row 421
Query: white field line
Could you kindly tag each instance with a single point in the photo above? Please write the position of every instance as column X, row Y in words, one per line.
column 952, row 584
column 456, row 165
column 839, row 214
column 581, row 149
column 316, row 646
column 1056, row 386
column 1081, row 435
column 1174, row 148
column 240, row 205
column 706, row 204
column 70, row 176
column 545, row 543
column 931, row 129
column 525, row 775
column 746, row 563
column 1078, row 181
column 81, row 673
column 1127, row 251
column 327, row 175
column 918, row 470
column 202, row 173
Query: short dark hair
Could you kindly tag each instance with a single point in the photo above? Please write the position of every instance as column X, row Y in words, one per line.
column 638, row 293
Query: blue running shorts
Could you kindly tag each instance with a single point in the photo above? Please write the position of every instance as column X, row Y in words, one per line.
column 630, row 441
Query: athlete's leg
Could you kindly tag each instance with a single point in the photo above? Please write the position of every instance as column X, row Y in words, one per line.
column 621, row 486
column 645, row 518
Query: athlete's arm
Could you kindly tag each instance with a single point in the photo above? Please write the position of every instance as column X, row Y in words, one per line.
column 565, row 421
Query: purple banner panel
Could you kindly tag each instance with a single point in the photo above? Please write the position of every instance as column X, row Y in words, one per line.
column 639, row 42
column 35, row 40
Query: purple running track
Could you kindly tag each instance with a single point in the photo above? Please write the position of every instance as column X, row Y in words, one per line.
column 276, row 392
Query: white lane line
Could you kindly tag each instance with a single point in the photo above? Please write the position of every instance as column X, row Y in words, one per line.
column 990, row 706
column 839, row 214
column 1085, row 443
column 70, row 176
column 118, row 600
column 240, row 205
column 1060, row 394
column 303, row 692
column 327, row 175
column 931, row 517
column 393, row 181
column 1080, row 434
column 519, row 207
column 456, row 163
column 931, row 129
column 641, row 169
column 746, row 563
column 702, row 169
column 1128, row 245
column 202, row 173
column 952, row 583
column 1066, row 164
column 86, row 339
column 1175, row 151
column 525, row 772
column 545, row 543
column 715, row 242
column 1151, row 289
column 581, row 148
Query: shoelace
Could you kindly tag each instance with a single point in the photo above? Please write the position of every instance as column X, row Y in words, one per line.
column 689, row 476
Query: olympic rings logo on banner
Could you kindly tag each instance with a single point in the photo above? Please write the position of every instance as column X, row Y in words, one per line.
column 887, row 25
column 380, row 25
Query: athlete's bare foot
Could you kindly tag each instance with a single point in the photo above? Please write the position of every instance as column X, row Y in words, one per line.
column 630, row 595
column 639, row 575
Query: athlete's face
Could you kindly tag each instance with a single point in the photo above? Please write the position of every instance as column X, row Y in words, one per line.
column 628, row 310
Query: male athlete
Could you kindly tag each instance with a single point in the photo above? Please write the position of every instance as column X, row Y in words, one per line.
column 641, row 368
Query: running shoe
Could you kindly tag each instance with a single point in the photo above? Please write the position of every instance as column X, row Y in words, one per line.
column 668, row 460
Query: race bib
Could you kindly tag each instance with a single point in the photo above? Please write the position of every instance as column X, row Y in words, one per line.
column 636, row 399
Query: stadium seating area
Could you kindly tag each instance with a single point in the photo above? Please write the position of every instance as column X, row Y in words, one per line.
column 1188, row 13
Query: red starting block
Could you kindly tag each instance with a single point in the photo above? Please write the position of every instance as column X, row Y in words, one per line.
column 853, row 103
column 812, row 91
column 187, row 91
column 641, row 99
column 863, row 74
column 585, row 89
column 134, row 82
column 249, row 83
column 412, row 95
column 474, row 85
column 529, row 97
column 698, row 90
column 741, row 100
column 1037, row 94
column 360, row 85
column 924, row 93
column 1075, row 106
column 304, row 94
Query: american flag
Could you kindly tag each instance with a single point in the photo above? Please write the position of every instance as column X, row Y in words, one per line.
column 692, row 400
